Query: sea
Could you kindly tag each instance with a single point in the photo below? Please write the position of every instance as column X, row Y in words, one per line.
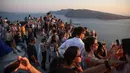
column 107, row 30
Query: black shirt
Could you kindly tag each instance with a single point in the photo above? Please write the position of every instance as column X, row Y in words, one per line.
column 31, row 50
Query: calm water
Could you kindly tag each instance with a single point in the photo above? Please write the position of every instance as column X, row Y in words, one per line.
column 108, row 30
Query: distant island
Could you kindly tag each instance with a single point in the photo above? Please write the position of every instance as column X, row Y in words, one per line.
column 90, row 14
column 72, row 13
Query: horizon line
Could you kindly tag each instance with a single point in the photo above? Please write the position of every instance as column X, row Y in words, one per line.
column 65, row 9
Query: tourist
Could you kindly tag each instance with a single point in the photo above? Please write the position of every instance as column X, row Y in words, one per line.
column 125, row 68
column 31, row 50
column 101, row 52
column 72, row 62
column 76, row 41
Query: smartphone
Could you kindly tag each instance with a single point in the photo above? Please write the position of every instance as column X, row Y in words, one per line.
column 12, row 66
column 118, row 42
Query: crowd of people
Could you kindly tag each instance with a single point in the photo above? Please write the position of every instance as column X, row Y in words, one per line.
column 64, row 48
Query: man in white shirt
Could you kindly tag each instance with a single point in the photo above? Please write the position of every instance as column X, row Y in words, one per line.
column 76, row 41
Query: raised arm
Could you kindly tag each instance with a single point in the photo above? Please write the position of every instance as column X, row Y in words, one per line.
column 103, row 67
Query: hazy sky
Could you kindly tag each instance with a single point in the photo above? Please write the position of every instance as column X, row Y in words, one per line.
column 34, row 6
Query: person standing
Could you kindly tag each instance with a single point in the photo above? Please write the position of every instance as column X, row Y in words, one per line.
column 31, row 50
column 75, row 41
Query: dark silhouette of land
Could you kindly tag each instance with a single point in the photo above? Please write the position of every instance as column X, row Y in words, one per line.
column 85, row 13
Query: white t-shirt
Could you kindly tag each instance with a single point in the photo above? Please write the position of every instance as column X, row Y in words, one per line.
column 72, row 42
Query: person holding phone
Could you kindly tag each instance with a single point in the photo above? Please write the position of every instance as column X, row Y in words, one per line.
column 126, row 54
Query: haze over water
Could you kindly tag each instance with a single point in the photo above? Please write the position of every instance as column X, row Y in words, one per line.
column 42, row 6
column 108, row 30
